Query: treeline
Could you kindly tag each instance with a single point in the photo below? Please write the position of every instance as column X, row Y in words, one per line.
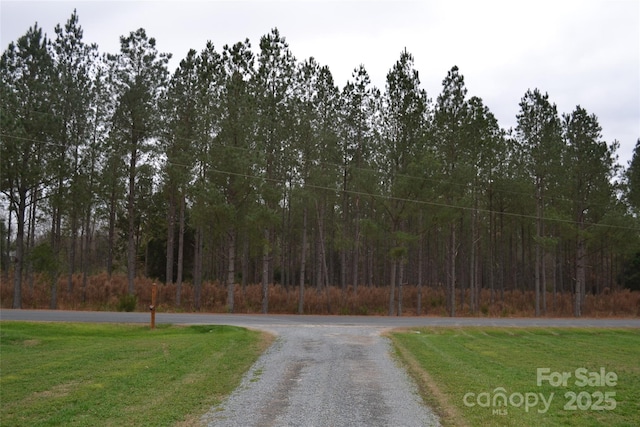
column 251, row 167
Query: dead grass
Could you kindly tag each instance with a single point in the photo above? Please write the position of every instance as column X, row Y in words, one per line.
column 103, row 293
column 57, row 391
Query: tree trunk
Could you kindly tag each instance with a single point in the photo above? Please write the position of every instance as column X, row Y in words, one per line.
column 356, row 244
column 112, row 232
column 460, row 278
column 452, row 269
column 171, row 231
column 53, row 303
column 56, row 246
column 31, row 235
column 555, row 277
column 420, row 268
column 197, row 267
column 284, row 240
column 56, row 218
column 538, row 248
column 74, row 220
column 231, row 270
column 323, row 272
column 473, row 279
column 401, row 274
column 318, row 262
column 343, row 269
column 392, row 293
column 6, row 256
column 265, row 271
column 303, row 261
column 84, row 255
column 543, row 284
column 370, row 256
column 580, row 274
column 502, row 257
column 179, row 273
column 245, row 261
column 492, row 245
column 131, row 246
column 72, row 249
column 19, row 258
column 345, row 227
column 537, row 279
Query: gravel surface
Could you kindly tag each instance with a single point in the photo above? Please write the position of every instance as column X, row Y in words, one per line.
column 324, row 375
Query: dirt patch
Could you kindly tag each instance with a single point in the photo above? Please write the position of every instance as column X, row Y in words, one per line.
column 60, row 390
column 190, row 421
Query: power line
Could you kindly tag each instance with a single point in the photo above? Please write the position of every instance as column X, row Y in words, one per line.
column 422, row 202
column 20, row 138
column 437, row 181
column 377, row 196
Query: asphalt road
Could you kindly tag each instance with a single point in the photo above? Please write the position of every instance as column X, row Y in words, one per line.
column 261, row 321
column 321, row 370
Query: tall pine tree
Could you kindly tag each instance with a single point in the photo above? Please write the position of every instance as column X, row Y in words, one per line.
column 139, row 75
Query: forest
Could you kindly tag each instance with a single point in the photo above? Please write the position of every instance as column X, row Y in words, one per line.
column 246, row 168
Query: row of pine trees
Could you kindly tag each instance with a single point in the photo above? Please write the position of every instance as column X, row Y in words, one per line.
column 247, row 165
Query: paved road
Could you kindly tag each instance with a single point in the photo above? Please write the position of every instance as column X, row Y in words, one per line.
column 264, row 321
column 322, row 370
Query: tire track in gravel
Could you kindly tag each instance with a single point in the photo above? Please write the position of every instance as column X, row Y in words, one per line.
column 324, row 375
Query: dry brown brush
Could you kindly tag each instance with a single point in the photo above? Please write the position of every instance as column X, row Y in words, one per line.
column 107, row 294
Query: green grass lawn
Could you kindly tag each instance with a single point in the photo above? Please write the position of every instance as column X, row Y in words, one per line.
column 463, row 372
column 62, row 374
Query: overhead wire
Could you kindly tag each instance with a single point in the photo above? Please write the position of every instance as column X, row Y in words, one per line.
column 371, row 195
column 418, row 201
column 437, row 181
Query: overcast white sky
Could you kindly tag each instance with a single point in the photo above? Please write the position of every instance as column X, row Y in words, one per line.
column 582, row 52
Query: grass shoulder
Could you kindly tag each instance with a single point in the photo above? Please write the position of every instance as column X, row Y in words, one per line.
column 122, row 375
column 525, row 376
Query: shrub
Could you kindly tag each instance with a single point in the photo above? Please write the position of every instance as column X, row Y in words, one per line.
column 630, row 276
column 127, row 302
column 484, row 309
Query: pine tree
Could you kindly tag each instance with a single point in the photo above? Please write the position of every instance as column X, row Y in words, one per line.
column 140, row 75
column 236, row 157
column 360, row 108
column 75, row 64
column 181, row 114
column 204, row 194
column 314, row 165
column 91, row 165
column 632, row 176
column 273, row 85
column 591, row 165
column 450, row 131
column 486, row 152
column 405, row 111
column 539, row 134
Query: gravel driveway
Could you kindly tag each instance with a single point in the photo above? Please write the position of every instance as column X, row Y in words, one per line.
column 324, row 375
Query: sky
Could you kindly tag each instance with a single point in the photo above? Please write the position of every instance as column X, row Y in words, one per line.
column 584, row 52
